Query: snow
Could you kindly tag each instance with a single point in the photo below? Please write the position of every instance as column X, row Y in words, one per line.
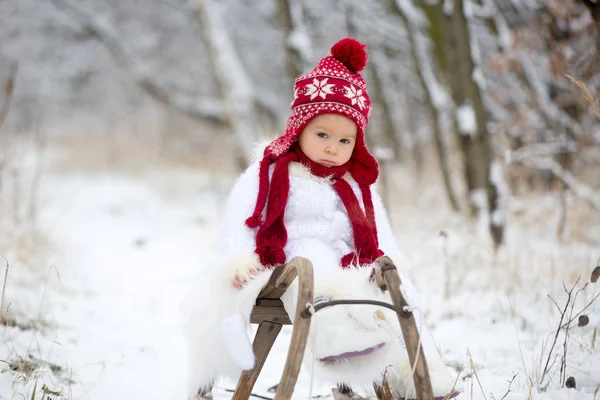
column 124, row 245
column 467, row 124
column 414, row 16
column 498, row 216
column 299, row 38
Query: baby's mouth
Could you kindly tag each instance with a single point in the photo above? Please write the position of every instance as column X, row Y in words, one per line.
column 351, row 354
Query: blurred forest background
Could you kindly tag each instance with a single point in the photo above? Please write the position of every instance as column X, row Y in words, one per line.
column 495, row 96
column 124, row 123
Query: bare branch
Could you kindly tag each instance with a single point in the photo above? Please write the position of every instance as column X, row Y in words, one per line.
column 549, row 110
column 7, row 92
column 509, row 385
column 102, row 30
column 558, row 329
column 231, row 77
column 555, row 303
column 579, row 189
column 582, row 310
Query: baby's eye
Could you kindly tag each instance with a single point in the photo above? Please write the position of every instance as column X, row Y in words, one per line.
column 322, row 135
column 345, row 141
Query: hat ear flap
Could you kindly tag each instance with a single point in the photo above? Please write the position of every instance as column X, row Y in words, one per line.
column 365, row 168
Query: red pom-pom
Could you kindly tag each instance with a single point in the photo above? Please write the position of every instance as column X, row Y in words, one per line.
column 253, row 221
column 351, row 53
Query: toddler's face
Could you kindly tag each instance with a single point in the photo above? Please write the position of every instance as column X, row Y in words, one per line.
column 329, row 139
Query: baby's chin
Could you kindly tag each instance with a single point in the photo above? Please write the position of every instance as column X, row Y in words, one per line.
column 328, row 164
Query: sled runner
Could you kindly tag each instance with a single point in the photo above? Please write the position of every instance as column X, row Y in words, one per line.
column 270, row 316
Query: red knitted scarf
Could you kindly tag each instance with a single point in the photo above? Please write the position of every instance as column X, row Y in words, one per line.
column 272, row 235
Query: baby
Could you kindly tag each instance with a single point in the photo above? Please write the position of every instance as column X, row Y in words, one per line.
column 311, row 195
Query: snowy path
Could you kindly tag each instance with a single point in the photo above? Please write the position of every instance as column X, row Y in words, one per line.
column 129, row 250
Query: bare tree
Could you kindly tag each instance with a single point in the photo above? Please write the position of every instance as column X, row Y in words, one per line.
column 297, row 39
column 434, row 96
column 239, row 101
column 233, row 81
column 465, row 77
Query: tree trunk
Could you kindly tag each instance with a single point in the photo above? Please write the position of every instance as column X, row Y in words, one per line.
column 293, row 59
column 419, row 57
column 232, row 79
column 474, row 137
column 378, row 75
column 445, row 49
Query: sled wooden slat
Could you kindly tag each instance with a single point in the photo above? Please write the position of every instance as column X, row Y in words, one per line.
column 409, row 329
column 263, row 341
column 271, row 291
column 269, row 313
column 302, row 268
column 272, row 313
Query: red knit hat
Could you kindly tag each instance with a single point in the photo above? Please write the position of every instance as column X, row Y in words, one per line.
column 334, row 86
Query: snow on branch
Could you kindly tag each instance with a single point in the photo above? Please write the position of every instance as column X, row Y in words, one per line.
column 483, row 11
column 498, row 214
column 545, row 104
column 299, row 38
column 552, row 148
column 579, row 189
column 415, row 22
column 233, row 81
column 102, row 29
column 414, row 16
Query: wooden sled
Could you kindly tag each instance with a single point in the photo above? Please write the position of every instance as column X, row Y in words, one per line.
column 270, row 316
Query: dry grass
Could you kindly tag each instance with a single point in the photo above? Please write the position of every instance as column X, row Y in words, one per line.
column 131, row 153
column 31, row 371
column 589, row 98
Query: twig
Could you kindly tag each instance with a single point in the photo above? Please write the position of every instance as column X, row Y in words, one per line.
column 562, row 223
column 563, row 362
column 475, row 373
column 509, row 385
column 583, row 309
column 7, row 92
column 555, row 303
column 512, row 312
column 560, row 323
column 453, row 385
column 4, row 289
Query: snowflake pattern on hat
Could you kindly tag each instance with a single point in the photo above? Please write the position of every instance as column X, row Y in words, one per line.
column 356, row 96
column 319, row 88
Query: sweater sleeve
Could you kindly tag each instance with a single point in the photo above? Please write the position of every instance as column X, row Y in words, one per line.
column 238, row 241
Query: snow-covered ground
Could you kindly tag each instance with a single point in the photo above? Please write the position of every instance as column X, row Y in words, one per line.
column 98, row 309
